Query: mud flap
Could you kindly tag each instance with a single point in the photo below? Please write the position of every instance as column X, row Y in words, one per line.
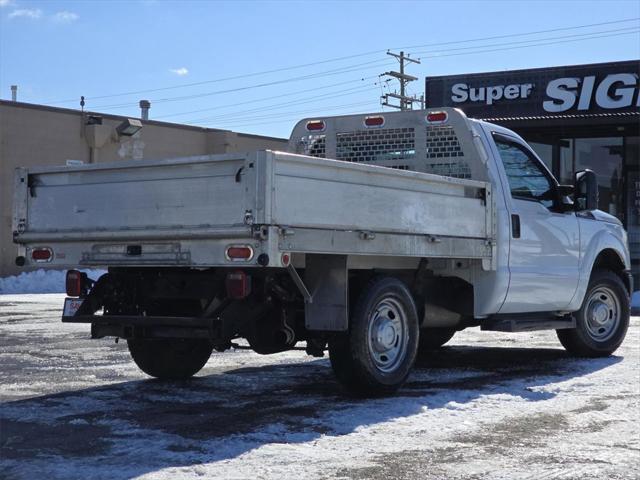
column 327, row 280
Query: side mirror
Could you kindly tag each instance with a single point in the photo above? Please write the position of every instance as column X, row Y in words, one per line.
column 565, row 190
column 586, row 190
column 562, row 200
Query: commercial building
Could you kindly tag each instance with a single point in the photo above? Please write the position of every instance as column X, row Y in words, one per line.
column 575, row 117
column 33, row 135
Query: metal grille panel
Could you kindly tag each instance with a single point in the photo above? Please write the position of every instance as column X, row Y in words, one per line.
column 312, row 145
column 442, row 142
column 377, row 145
column 444, row 152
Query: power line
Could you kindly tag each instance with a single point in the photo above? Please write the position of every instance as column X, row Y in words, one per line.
column 225, row 79
column 519, row 46
column 305, row 112
column 515, row 47
column 532, row 40
column 352, row 68
column 277, row 106
column 528, row 46
column 289, row 94
column 336, row 59
column 375, row 64
column 524, row 34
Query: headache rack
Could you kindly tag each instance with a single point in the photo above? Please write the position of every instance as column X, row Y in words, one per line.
column 430, row 141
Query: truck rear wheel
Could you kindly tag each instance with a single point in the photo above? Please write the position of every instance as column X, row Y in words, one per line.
column 377, row 354
column 433, row 338
column 603, row 319
column 170, row 358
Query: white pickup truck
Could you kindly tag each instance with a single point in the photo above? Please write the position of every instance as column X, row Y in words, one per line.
column 377, row 236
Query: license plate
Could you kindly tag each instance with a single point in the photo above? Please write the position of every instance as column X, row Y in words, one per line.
column 71, row 306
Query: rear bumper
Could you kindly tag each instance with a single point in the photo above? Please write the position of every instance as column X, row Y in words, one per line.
column 138, row 320
column 135, row 326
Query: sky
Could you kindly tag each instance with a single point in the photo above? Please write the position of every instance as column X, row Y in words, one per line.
column 260, row 66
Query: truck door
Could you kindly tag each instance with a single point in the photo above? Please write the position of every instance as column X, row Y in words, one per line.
column 544, row 242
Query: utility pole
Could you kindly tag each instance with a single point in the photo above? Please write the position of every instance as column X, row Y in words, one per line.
column 405, row 102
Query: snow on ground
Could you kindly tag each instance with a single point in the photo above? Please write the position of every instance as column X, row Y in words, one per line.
column 40, row 281
column 490, row 405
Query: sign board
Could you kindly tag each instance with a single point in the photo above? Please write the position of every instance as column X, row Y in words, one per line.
column 582, row 89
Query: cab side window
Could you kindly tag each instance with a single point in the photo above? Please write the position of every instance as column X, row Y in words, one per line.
column 527, row 179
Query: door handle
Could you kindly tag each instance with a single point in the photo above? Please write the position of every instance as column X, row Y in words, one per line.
column 515, row 226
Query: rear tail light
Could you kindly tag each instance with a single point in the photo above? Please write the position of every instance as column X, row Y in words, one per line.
column 377, row 121
column 316, row 126
column 437, row 117
column 239, row 253
column 75, row 283
column 238, row 285
column 42, row 254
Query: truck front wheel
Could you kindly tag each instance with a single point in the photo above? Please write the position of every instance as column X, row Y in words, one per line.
column 170, row 358
column 603, row 319
column 376, row 355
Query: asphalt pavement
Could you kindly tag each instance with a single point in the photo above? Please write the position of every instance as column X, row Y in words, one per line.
column 487, row 406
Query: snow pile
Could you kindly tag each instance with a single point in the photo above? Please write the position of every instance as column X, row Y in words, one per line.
column 40, row 281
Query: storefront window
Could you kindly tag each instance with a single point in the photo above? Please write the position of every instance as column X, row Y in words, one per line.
column 603, row 156
column 632, row 161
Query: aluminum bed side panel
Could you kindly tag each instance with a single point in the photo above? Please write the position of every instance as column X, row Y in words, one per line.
column 153, row 196
column 317, row 193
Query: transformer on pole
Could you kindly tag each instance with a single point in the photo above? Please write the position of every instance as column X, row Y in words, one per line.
column 405, row 102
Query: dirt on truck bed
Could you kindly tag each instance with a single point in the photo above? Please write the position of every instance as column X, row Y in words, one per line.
column 484, row 406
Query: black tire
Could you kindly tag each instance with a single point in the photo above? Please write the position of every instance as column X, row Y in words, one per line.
column 603, row 318
column 170, row 358
column 433, row 338
column 368, row 366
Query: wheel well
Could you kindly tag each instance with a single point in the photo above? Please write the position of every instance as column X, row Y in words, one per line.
column 608, row 259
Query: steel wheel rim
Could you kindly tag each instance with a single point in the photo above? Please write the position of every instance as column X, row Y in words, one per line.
column 388, row 335
column 602, row 314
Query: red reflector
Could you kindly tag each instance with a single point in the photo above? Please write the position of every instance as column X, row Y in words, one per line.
column 74, row 283
column 42, row 254
column 240, row 253
column 286, row 259
column 437, row 117
column 374, row 121
column 316, row 126
column 238, row 285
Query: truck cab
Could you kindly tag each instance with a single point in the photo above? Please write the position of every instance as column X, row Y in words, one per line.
column 553, row 241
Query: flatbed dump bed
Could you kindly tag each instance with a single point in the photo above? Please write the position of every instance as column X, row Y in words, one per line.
column 185, row 211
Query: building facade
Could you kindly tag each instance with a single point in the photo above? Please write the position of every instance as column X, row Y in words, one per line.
column 38, row 135
column 574, row 117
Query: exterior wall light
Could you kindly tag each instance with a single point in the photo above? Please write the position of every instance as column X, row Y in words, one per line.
column 129, row 127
